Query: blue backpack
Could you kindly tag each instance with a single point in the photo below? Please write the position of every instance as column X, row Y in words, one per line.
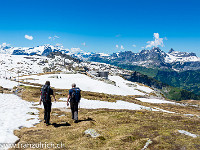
column 76, row 95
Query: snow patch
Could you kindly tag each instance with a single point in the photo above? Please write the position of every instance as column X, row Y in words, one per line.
column 86, row 83
column 97, row 104
column 188, row 133
column 7, row 83
column 14, row 115
column 154, row 100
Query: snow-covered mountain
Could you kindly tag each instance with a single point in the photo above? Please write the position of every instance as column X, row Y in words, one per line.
column 154, row 58
column 175, row 56
column 38, row 50
column 43, row 50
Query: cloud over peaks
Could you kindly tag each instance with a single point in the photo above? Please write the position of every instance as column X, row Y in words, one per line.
column 157, row 42
column 28, row 37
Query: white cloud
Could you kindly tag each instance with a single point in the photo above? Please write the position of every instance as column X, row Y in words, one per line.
column 122, row 47
column 156, row 35
column 134, row 45
column 56, row 37
column 28, row 37
column 117, row 46
column 158, row 41
column 53, row 38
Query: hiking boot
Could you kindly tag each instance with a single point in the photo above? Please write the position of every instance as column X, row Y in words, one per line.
column 47, row 124
column 76, row 121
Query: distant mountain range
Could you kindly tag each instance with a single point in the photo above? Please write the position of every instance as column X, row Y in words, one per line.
column 43, row 50
column 38, row 50
column 154, row 58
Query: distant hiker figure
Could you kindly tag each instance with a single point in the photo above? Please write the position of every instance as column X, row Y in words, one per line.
column 74, row 97
column 46, row 93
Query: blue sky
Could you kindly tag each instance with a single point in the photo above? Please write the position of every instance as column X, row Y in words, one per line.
column 102, row 25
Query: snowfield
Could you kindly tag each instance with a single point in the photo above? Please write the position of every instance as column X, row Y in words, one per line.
column 13, row 116
column 124, row 83
column 85, row 83
column 97, row 104
column 148, row 100
column 7, row 83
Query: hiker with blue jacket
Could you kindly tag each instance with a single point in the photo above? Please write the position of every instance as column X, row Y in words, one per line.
column 74, row 97
column 46, row 93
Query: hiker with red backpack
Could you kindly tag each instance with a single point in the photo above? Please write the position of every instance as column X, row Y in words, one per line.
column 74, row 97
column 46, row 93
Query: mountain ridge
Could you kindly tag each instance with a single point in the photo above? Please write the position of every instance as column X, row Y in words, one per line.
column 154, row 58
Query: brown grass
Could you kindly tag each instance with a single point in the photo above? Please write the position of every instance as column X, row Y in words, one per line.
column 119, row 129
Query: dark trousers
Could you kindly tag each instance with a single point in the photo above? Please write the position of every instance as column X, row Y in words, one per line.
column 74, row 110
column 47, row 111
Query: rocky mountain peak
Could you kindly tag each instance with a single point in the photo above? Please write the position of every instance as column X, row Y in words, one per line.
column 171, row 50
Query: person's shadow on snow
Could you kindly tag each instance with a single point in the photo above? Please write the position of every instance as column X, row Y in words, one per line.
column 61, row 124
